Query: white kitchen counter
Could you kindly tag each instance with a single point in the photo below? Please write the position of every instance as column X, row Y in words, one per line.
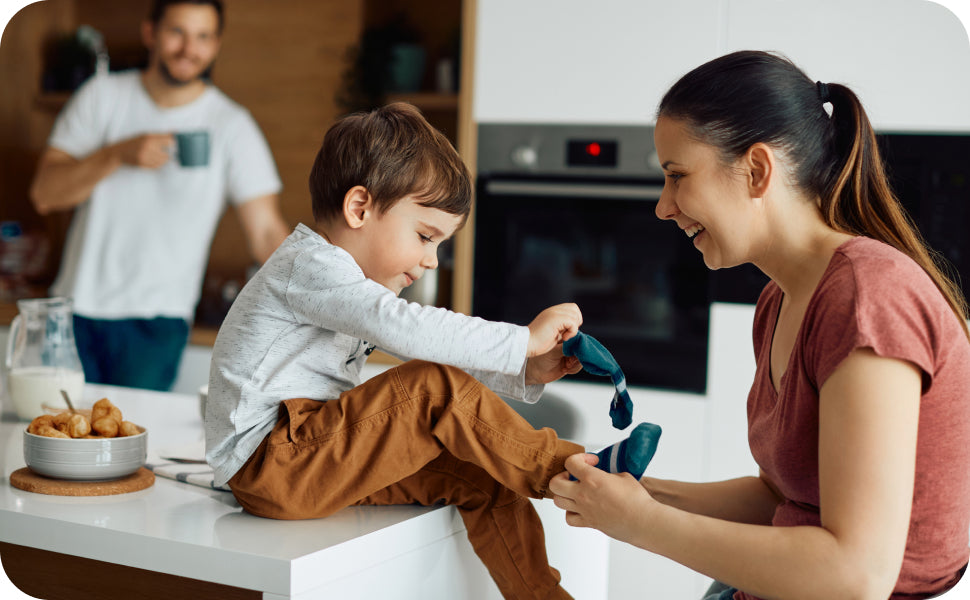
column 188, row 531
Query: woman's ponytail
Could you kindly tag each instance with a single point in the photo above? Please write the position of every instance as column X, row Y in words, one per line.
column 860, row 201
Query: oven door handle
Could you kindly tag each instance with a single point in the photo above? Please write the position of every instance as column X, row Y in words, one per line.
column 650, row 193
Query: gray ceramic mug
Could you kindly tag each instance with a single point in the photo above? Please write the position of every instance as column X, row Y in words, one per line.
column 192, row 148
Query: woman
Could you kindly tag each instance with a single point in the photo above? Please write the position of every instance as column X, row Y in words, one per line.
column 858, row 416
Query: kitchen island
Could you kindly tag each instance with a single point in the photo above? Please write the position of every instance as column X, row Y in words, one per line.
column 177, row 540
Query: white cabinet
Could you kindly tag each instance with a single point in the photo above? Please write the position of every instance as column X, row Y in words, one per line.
column 193, row 371
column 908, row 60
column 572, row 61
column 730, row 371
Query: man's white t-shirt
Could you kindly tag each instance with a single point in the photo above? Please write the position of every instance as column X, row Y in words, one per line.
column 139, row 246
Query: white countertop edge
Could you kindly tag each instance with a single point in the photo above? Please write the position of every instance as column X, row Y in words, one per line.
column 204, row 563
column 366, row 551
column 234, row 568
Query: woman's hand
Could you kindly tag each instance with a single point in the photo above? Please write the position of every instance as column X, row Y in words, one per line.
column 550, row 366
column 617, row 505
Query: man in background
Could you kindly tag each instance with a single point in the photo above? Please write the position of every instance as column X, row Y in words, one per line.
column 144, row 219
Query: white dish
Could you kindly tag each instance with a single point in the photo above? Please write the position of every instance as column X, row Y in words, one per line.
column 85, row 459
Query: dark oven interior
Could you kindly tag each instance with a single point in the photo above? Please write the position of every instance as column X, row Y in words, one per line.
column 561, row 228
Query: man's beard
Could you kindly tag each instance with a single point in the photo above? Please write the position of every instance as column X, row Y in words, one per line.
column 172, row 80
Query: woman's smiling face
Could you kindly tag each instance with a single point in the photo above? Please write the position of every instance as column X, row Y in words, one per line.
column 706, row 199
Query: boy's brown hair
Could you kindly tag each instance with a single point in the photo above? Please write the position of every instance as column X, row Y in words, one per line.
column 393, row 152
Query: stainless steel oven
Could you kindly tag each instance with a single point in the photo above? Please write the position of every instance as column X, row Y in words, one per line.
column 565, row 213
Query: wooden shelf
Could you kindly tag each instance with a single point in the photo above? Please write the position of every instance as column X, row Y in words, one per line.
column 8, row 306
column 51, row 101
column 8, row 310
column 203, row 336
column 427, row 100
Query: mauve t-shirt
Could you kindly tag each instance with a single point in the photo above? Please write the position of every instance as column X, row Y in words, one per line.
column 872, row 296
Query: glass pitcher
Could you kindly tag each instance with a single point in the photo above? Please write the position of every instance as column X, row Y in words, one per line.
column 42, row 357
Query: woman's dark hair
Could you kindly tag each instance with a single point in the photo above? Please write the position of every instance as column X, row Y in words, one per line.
column 746, row 97
column 160, row 6
column 393, row 152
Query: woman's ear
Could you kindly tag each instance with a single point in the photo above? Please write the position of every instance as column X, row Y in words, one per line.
column 759, row 165
column 358, row 206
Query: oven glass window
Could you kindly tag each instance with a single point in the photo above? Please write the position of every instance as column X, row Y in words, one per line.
column 641, row 285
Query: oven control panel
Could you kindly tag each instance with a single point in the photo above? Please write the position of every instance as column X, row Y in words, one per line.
column 561, row 149
column 526, row 157
column 591, row 153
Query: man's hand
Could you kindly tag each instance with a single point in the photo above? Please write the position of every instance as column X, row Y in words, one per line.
column 149, row 150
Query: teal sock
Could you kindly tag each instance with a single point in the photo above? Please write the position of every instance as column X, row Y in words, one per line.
column 633, row 454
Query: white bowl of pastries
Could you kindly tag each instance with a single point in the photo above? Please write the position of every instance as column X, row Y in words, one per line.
column 85, row 445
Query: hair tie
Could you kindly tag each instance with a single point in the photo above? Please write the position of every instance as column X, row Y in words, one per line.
column 823, row 91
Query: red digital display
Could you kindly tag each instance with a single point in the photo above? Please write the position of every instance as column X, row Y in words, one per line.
column 591, row 153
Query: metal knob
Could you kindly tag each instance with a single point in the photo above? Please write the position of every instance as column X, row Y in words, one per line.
column 525, row 157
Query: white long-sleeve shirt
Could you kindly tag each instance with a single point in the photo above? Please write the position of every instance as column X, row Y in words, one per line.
column 303, row 327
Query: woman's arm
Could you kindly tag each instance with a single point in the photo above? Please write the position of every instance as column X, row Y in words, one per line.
column 869, row 411
column 743, row 500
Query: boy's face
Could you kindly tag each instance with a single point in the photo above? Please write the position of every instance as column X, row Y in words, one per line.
column 397, row 247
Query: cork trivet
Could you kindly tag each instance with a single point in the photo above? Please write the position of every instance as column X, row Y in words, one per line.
column 27, row 480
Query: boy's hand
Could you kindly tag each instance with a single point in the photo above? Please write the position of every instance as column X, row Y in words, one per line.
column 550, row 366
column 553, row 326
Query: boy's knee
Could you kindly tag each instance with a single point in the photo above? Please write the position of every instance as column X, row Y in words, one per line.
column 434, row 376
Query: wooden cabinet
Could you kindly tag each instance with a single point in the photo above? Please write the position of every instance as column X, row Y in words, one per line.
column 446, row 31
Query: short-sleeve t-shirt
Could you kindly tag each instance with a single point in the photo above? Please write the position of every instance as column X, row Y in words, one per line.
column 871, row 296
column 138, row 247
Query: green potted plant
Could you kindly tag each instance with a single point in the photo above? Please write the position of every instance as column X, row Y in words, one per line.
column 388, row 58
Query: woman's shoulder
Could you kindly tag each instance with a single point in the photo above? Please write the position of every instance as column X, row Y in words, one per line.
column 874, row 269
column 878, row 291
column 868, row 256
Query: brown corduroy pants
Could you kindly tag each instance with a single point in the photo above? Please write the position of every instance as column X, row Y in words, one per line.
column 419, row 433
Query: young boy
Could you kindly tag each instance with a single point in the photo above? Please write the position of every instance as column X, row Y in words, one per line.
column 290, row 427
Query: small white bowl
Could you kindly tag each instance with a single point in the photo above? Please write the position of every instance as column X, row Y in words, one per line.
column 85, row 459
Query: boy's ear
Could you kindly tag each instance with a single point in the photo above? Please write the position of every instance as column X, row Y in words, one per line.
column 358, row 206
column 759, row 166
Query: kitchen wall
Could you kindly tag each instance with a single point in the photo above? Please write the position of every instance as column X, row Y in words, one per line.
column 572, row 61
